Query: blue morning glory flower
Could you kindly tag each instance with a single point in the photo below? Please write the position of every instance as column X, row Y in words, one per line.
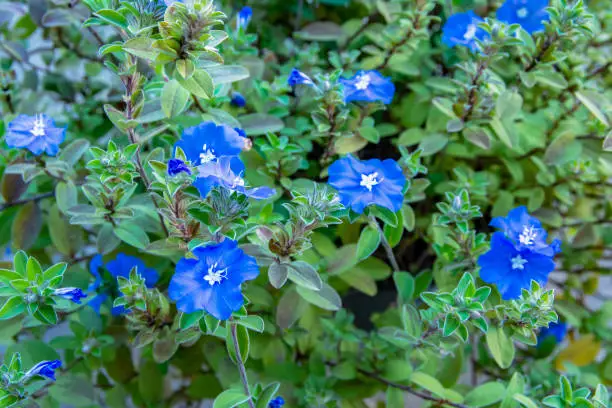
column 177, row 166
column 297, row 77
column 512, row 268
column 368, row 86
column 211, row 281
column 363, row 183
column 526, row 232
column 244, row 18
column 120, row 266
column 238, row 100
column 44, row 369
column 557, row 330
column 529, row 14
column 37, row 133
column 221, row 174
column 73, row 294
column 208, row 141
column 462, row 29
column 277, row 402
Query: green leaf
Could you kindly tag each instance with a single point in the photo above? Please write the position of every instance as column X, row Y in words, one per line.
column 451, row 323
column 289, row 309
column 404, row 284
column 185, row 68
column 151, row 382
column 267, row 394
column 66, row 195
column 595, row 103
column 174, row 99
column 230, row 398
column 369, row 240
column 132, row 234
column 277, row 274
column 66, row 238
column 327, row 298
column 428, row 383
column 226, row 74
column 141, row 47
column 525, row 401
column 200, row 84
column 252, row 322
column 112, row 17
column 394, row 398
column 260, row 123
column 12, row 307
column 397, row 370
column 188, row 320
column 501, row 347
column 74, row 390
column 303, row 274
column 244, row 343
column 320, row 31
column 485, row 394
column 26, row 226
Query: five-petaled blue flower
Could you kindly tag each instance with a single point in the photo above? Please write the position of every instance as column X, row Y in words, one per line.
column 526, row 232
column 221, row 174
column 177, row 166
column 529, row 14
column 208, row 141
column 73, row 294
column 37, row 133
column 122, row 265
column 512, row 268
column 238, row 100
column 244, row 18
column 277, row 402
column 462, row 29
column 557, row 330
column 363, row 183
column 211, row 281
column 297, row 77
column 368, row 86
column 44, row 369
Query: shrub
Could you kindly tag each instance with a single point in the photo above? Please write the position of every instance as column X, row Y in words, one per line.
column 331, row 203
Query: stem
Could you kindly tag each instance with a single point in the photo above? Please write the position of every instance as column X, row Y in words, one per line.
column 365, row 23
column 409, row 389
column 385, row 245
column 471, row 98
column 27, row 200
column 240, row 364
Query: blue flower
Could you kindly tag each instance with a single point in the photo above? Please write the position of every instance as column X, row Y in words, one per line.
column 244, row 18
column 242, row 133
column 368, row 86
column 557, row 330
column 238, row 100
column 177, row 166
column 529, row 14
column 44, row 369
column 73, row 294
column 526, row 232
column 462, row 29
column 37, row 133
column 363, row 183
column 208, row 141
column 221, row 174
column 297, row 77
column 277, row 402
column 211, row 281
column 512, row 269
column 120, row 266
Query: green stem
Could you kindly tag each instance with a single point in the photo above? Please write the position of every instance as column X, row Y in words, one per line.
column 385, row 244
column 240, row 364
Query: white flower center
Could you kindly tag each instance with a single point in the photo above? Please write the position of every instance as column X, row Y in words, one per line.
column 363, row 81
column 369, row 180
column 39, row 126
column 528, row 236
column 207, row 155
column 215, row 276
column 522, row 12
column 518, row 262
column 238, row 181
column 470, row 33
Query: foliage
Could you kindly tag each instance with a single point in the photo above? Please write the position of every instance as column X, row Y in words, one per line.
column 330, row 203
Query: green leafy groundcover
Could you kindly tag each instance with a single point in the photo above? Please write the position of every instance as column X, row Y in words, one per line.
column 189, row 219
